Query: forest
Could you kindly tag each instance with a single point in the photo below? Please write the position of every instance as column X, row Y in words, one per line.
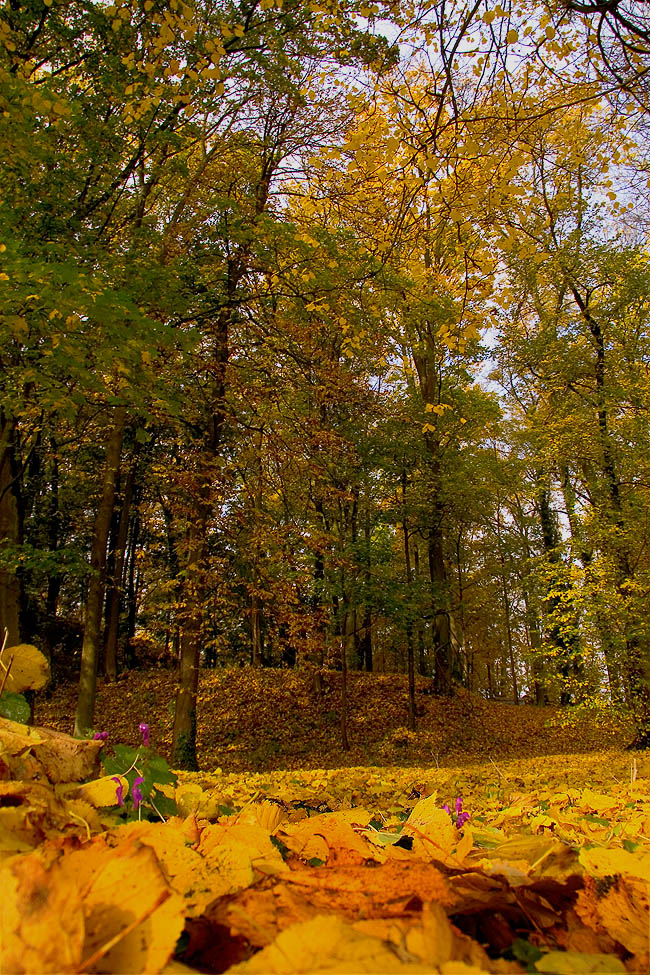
column 325, row 343
column 324, row 486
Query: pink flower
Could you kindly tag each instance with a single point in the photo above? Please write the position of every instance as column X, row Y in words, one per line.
column 119, row 792
column 144, row 731
column 100, row 736
column 459, row 816
column 136, row 791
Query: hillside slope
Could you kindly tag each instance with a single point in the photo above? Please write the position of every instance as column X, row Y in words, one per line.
column 252, row 720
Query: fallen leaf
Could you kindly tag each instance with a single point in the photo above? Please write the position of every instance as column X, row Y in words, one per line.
column 331, row 838
column 576, row 963
column 41, row 921
column 326, row 943
column 132, row 919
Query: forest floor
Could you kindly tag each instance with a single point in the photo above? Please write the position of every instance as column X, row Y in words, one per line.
column 497, row 840
column 252, row 720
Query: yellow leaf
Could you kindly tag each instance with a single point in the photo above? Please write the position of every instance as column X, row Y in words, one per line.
column 188, row 873
column 42, row 925
column 434, row 834
column 132, row 919
column 326, row 943
column 608, row 862
column 512, row 36
column 102, row 792
column 331, row 836
column 28, row 668
column 577, row 963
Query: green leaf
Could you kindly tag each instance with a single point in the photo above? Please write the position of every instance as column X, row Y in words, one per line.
column 14, row 707
column 165, row 806
column 160, row 770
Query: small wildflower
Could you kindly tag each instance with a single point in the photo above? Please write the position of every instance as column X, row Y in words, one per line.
column 459, row 817
column 144, row 731
column 136, row 791
column 119, row 792
column 100, row 736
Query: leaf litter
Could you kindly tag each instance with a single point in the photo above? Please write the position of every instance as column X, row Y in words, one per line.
column 345, row 870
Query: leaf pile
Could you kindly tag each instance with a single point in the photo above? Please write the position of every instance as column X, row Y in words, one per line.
column 339, row 871
column 251, row 719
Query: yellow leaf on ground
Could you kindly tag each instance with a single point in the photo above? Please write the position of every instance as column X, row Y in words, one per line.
column 132, row 919
column 619, row 907
column 436, row 942
column 331, row 837
column 326, row 943
column 434, row 834
column 187, row 872
column 102, row 792
column 576, row 963
column 41, row 920
column 596, row 801
column 608, row 862
column 239, row 853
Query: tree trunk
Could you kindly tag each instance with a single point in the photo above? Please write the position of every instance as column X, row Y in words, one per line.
column 184, row 735
column 132, row 587
column 442, row 648
column 257, row 640
column 91, row 646
column 409, row 621
column 9, row 530
column 114, row 602
column 346, row 638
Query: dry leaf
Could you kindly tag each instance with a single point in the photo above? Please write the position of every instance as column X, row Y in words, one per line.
column 326, row 943
column 331, row 837
column 127, row 904
column 575, row 963
column 41, row 921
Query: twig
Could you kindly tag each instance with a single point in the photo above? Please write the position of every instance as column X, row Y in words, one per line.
column 6, row 673
column 498, row 769
column 81, row 820
column 89, row 962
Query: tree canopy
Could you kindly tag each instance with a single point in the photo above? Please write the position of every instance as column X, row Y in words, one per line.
column 325, row 343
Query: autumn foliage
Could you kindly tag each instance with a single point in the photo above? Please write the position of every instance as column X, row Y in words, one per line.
column 504, row 867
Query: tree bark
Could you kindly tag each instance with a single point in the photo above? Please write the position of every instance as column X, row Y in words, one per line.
column 9, row 530
column 409, row 621
column 95, row 599
column 184, row 734
column 114, row 602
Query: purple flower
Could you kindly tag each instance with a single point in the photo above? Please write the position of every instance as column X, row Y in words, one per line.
column 460, row 817
column 136, row 791
column 119, row 792
column 144, row 731
column 100, row 736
